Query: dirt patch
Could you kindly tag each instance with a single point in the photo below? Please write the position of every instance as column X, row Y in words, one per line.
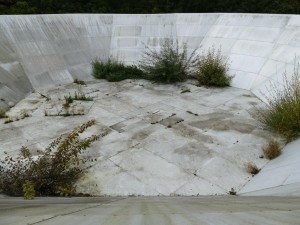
column 223, row 125
column 193, row 149
column 188, row 132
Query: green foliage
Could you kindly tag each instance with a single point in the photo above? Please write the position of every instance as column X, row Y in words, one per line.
column 80, row 96
column 282, row 114
column 149, row 6
column 114, row 71
column 28, row 190
column 53, row 172
column 169, row 65
column 213, row 68
column 272, row 150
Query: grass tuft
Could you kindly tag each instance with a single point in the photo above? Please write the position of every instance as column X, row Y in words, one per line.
column 272, row 150
column 115, row 71
column 282, row 114
column 252, row 168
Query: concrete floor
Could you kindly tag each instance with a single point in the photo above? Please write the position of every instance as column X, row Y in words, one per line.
column 212, row 210
column 162, row 139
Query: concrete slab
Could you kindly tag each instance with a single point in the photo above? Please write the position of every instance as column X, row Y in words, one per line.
column 161, row 140
column 159, row 210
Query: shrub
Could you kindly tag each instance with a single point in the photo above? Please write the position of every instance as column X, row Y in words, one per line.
column 170, row 64
column 53, row 172
column 272, row 150
column 252, row 168
column 282, row 113
column 213, row 68
column 114, row 71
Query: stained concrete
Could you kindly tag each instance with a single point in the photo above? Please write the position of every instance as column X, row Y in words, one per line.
column 40, row 51
column 161, row 140
column 158, row 210
column 43, row 51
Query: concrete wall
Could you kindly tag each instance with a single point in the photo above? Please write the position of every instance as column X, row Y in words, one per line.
column 279, row 177
column 39, row 51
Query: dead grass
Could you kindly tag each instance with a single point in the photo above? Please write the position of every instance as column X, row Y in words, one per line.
column 272, row 149
column 252, row 168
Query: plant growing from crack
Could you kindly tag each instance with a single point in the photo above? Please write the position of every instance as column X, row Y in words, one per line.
column 53, row 172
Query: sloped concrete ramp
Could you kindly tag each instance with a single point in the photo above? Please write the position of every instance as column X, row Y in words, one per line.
column 149, row 211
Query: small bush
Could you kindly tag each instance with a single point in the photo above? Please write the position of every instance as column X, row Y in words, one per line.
column 53, row 172
column 213, row 68
column 272, row 150
column 282, row 114
column 252, row 168
column 170, row 64
column 114, row 71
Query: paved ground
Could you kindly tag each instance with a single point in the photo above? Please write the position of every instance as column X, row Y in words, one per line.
column 212, row 210
column 177, row 139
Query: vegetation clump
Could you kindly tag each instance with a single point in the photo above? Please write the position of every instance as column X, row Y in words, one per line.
column 28, row 190
column 114, row 71
column 53, row 172
column 213, row 69
column 80, row 82
column 169, row 65
column 282, row 113
column 272, row 150
column 80, row 96
column 252, row 168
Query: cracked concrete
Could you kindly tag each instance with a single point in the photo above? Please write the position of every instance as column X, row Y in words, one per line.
column 161, row 141
column 155, row 210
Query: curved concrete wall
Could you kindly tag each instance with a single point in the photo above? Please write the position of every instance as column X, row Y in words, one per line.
column 279, row 177
column 39, row 51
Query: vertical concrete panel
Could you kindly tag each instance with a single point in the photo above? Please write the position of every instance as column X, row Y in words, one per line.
column 46, row 44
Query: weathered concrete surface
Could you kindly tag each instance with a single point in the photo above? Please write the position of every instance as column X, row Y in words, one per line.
column 280, row 176
column 158, row 210
column 38, row 51
column 161, row 141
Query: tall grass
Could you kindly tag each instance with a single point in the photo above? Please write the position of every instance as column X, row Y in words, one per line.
column 114, row 71
column 282, row 114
